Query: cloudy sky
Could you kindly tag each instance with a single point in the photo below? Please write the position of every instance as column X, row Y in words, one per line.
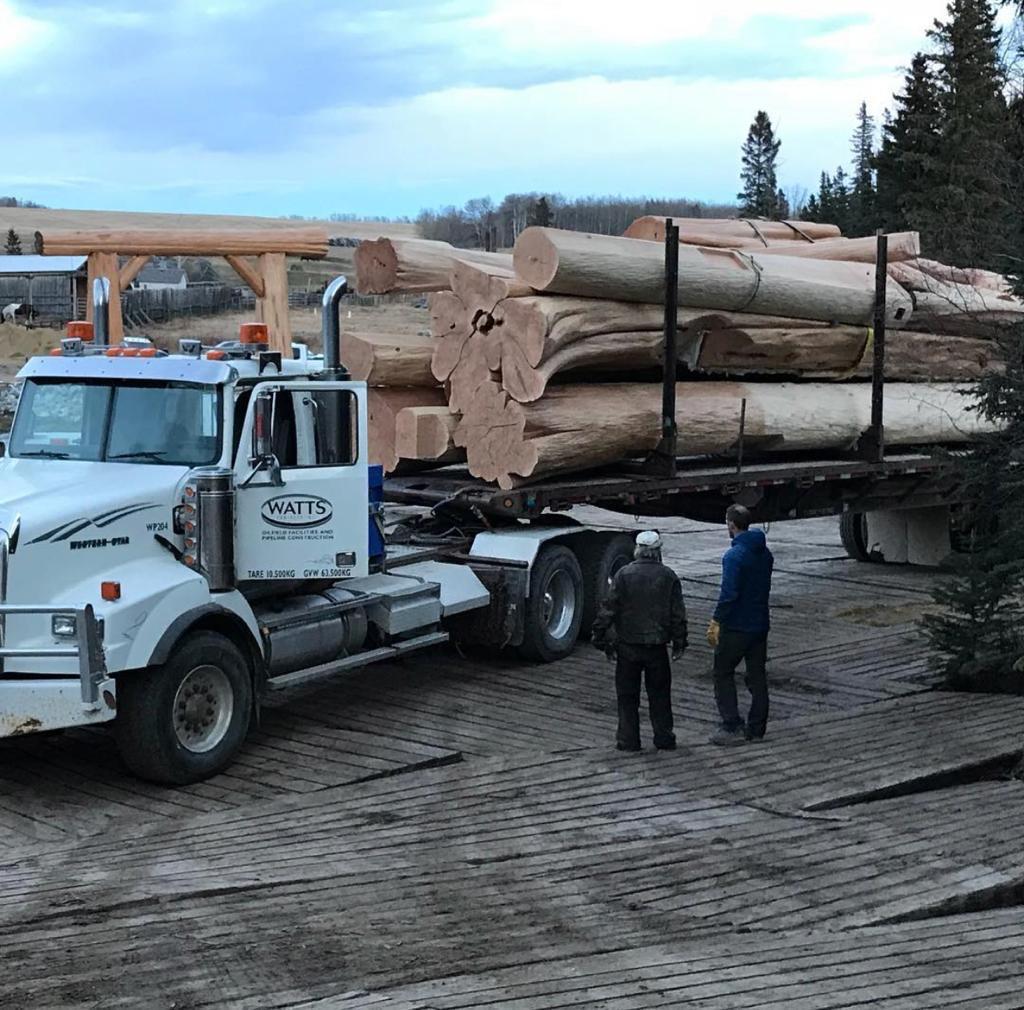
column 386, row 106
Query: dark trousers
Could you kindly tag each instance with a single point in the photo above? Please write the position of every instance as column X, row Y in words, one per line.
column 753, row 650
column 650, row 662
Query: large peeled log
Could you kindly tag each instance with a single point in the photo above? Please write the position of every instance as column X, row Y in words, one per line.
column 425, row 434
column 383, row 406
column 747, row 230
column 411, row 265
column 579, row 427
column 382, row 359
column 599, row 266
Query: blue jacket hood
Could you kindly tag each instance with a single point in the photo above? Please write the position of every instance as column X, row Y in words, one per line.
column 751, row 540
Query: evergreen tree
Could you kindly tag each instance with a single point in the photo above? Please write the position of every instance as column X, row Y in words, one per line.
column 839, row 201
column 760, row 195
column 978, row 636
column 812, row 212
column 970, row 223
column 540, row 213
column 908, row 161
column 13, row 245
column 862, row 215
column 782, row 209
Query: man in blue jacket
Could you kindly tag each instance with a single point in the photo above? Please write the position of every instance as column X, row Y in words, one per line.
column 739, row 629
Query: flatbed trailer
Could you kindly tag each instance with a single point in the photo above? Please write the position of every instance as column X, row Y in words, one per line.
column 792, row 488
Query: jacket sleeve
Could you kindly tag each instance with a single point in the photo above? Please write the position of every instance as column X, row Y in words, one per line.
column 730, row 586
column 603, row 631
column 677, row 617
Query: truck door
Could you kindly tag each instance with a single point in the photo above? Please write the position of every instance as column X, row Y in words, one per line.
column 301, row 473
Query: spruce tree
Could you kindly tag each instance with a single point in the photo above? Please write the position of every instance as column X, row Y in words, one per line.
column 840, row 200
column 862, row 214
column 812, row 212
column 908, row 161
column 760, row 194
column 970, row 223
column 13, row 244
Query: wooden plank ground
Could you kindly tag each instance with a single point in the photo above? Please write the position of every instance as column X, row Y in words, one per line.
column 509, row 861
column 967, row 961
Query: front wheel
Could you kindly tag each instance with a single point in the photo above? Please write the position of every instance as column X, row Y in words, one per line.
column 186, row 720
column 554, row 609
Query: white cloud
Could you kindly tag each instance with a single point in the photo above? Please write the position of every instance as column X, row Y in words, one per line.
column 21, row 37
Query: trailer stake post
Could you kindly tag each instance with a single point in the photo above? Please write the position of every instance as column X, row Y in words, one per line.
column 743, row 429
column 871, row 445
column 663, row 460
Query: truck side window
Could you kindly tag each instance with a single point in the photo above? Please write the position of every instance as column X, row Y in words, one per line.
column 333, row 416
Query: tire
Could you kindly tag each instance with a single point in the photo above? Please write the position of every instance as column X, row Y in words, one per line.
column 854, row 534
column 554, row 609
column 600, row 559
column 208, row 680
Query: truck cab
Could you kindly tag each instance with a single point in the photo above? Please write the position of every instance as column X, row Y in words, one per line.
column 182, row 533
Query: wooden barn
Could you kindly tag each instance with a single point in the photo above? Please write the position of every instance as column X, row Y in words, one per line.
column 55, row 286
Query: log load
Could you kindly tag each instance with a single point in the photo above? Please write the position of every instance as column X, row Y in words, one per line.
column 576, row 427
column 413, row 265
column 307, row 242
column 383, row 406
column 389, row 359
column 426, row 434
column 600, row 266
column 694, row 230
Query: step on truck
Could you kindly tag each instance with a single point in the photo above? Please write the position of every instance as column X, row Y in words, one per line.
column 182, row 535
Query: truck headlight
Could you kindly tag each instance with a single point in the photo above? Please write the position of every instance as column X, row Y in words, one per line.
column 64, row 625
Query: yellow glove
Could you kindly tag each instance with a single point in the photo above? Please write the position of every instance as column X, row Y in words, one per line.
column 714, row 633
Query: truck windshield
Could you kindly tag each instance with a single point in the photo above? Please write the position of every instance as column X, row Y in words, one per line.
column 131, row 422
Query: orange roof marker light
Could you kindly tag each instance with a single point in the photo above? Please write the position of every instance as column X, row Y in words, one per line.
column 215, row 355
column 253, row 333
column 114, row 352
column 82, row 330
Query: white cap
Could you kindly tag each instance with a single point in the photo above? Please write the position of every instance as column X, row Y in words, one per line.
column 649, row 538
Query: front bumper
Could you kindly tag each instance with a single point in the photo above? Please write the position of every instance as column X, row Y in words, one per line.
column 41, row 703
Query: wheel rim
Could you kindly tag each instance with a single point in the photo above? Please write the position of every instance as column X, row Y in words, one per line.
column 203, row 705
column 558, row 604
column 617, row 565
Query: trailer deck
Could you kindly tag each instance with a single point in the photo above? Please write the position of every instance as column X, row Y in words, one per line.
column 796, row 487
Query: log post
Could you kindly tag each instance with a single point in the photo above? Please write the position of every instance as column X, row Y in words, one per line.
column 104, row 264
column 131, row 270
column 664, row 458
column 272, row 308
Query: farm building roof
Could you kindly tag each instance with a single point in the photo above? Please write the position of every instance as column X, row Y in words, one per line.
column 152, row 274
column 19, row 265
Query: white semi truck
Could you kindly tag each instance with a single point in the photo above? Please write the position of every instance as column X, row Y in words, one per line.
column 181, row 534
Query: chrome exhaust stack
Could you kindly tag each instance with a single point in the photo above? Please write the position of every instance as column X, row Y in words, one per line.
column 336, row 290
column 101, row 312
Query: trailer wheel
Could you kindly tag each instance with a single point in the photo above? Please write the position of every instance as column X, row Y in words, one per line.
column 600, row 560
column 186, row 720
column 554, row 608
column 853, row 531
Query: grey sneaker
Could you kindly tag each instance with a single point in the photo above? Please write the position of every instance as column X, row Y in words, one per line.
column 728, row 738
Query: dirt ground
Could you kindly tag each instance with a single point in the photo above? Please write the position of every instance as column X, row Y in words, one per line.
column 386, row 318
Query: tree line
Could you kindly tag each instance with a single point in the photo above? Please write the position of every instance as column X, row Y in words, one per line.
column 483, row 224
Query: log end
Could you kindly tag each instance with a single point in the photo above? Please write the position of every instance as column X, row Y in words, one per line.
column 535, row 258
column 376, row 266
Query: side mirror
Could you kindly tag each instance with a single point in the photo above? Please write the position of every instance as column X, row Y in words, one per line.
column 262, row 455
column 262, row 427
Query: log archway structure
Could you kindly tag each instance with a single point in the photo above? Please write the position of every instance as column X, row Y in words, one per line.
column 258, row 256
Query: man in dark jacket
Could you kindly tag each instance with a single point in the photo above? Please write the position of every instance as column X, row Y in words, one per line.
column 642, row 613
column 739, row 629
